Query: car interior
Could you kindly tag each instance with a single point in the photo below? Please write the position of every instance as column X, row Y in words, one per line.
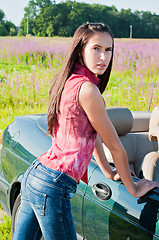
column 139, row 133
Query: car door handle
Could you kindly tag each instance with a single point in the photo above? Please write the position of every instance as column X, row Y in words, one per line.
column 102, row 191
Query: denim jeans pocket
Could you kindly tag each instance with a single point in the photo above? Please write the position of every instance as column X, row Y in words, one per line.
column 37, row 200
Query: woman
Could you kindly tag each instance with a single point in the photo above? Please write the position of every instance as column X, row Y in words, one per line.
column 76, row 114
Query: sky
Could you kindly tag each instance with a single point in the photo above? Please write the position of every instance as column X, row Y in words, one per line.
column 14, row 10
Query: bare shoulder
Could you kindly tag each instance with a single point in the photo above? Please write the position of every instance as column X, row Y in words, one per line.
column 88, row 91
column 90, row 96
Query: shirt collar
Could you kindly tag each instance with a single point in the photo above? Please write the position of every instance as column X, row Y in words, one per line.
column 82, row 70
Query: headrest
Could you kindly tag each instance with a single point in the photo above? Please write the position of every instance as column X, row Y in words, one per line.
column 154, row 124
column 121, row 119
column 141, row 121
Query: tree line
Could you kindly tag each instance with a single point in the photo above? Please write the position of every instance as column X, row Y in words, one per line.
column 7, row 27
column 46, row 18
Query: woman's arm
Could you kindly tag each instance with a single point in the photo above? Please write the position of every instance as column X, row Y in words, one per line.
column 92, row 103
column 102, row 161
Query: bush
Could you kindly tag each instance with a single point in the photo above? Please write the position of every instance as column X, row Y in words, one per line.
column 21, row 33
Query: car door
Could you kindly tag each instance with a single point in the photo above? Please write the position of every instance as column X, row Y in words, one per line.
column 110, row 212
column 77, row 203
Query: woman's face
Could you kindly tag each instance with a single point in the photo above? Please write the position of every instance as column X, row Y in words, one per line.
column 97, row 52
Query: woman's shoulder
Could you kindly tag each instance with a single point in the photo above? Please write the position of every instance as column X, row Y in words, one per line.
column 88, row 90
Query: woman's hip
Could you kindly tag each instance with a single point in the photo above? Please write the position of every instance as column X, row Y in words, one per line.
column 49, row 181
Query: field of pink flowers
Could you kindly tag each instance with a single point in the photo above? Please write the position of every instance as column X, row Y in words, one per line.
column 27, row 66
column 135, row 74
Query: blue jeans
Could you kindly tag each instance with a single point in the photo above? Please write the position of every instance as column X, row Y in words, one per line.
column 45, row 205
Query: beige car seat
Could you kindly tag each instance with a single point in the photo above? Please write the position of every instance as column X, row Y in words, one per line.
column 132, row 129
column 150, row 165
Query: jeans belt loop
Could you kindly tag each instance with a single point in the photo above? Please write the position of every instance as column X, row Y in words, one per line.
column 34, row 165
column 58, row 178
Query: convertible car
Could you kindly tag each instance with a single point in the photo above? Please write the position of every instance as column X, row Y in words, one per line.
column 103, row 209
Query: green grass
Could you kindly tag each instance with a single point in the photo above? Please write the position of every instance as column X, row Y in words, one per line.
column 23, row 92
column 5, row 226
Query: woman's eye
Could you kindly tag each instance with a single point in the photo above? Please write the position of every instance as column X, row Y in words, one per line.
column 108, row 50
column 96, row 48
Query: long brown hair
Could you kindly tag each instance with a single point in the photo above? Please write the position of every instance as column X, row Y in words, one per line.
column 80, row 39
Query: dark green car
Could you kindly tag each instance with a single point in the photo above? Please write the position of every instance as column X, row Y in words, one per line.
column 103, row 209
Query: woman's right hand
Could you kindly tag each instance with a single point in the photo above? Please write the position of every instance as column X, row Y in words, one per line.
column 143, row 186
